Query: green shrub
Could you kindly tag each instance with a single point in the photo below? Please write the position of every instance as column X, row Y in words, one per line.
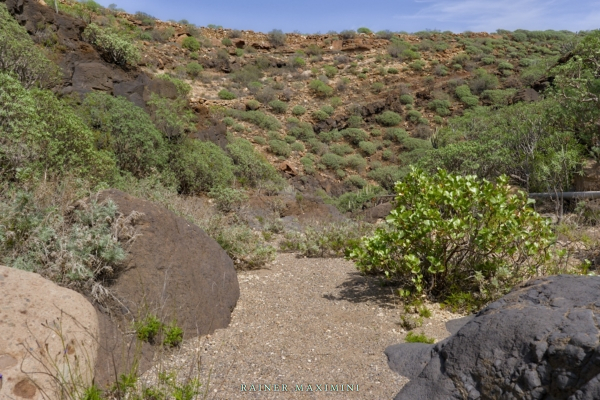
column 389, row 118
column 250, row 167
column 340, row 173
column 356, row 181
column 127, row 131
column 320, row 88
column 279, row 148
column 298, row 110
column 354, row 201
column 364, row 30
column 227, row 199
column 505, row 65
column 367, row 148
column 412, row 337
column 194, row 69
column 278, row 106
column 330, row 71
column 77, row 250
column 355, row 121
column 115, row 47
column 308, row 164
column 226, row 42
column 225, row 94
column 301, row 130
column 148, row 328
column 387, row 154
column 252, row 105
column 356, row 162
column 335, row 102
column 393, row 71
column 190, row 43
column 479, row 238
column 441, row 107
column 297, row 146
column 201, row 166
column 377, row 87
column 397, row 135
column 341, row 149
column 257, row 118
column 183, row 89
column 289, row 139
column 499, row 97
column 354, row 135
column 417, row 65
column 413, row 116
column 173, row 336
column 172, row 117
column 20, row 56
column 406, row 99
column 386, row 176
column 328, row 109
column 332, row 161
column 320, row 115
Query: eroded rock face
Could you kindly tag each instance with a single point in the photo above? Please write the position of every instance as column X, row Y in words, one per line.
column 173, row 270
column 45, row 330
column 541, row 341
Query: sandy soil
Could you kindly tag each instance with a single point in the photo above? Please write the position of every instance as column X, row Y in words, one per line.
column 304, row 322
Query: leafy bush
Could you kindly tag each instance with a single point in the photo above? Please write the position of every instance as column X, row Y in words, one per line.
column 252, row 105
column 250, row 167
column 441, row 107
column 355, row 121
column 367, row 148
column 347, row 34
column 225, row 94
column 417, row 65
column 396, row 134
column 276, row 37
column 227, row 199
column 127, row 131
column 330, row 71
column 406, row 99
column 76, row 250
column 172, row 117
column 356, row 181
column 320, row 115
column 190, row 43
column 478, row 238
column 257, row 118
column 201, row 166
column 320, row 88
column 42, row 135
column 413, row 116
column 332, row 161
column 183, row 89
column 354, row 135
column 278, row 106
column 298, row 110
column 115, row 47
column 194, row 69
column 279, row 147
column 356, row 162
column 20, row 56
column 389, row 118
column 297, row 146
column 341, row 149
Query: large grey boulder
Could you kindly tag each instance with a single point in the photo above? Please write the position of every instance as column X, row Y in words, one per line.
column 541, row 341
column 49, row 337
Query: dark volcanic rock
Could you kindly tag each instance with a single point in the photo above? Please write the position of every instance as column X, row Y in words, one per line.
column 541, row 341
column 173, row 270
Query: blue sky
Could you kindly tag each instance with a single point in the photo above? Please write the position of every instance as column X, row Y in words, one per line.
column 311, row 16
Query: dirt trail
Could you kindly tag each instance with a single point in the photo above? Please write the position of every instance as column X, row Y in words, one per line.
column 305, row 322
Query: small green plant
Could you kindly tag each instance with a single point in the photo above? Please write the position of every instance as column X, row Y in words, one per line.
column 194, row 69
column 410, row 322
column 412, row 337
column 225, row 94
column 173, row 335
column 148, row 329
column 389, row 118
column 320, row 115
column 406, row 99
column 226, row 42
column 279, row 148
column 191, row 43
column 425, row 312
column 377, row 87
column 298, row 110
column 277, row 38
column 320, row 88
column 278, row 106
column 252, row 105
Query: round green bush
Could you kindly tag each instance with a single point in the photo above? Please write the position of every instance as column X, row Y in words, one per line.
column 225, row 94
column 387, row 154
column 201, row 166
column 406, row 99
column 479, row 239
column 190, row 43
column 328, row 109
column 413, row 115
column 341, row 149
column 354, row 135
column 279, row 148
column 332, row 161
column 278, row 106
column 194, row 69
column 389, row 118
column 356, row 181
column 356, row 162
column 298, row 110
column 367, row 148
column 297, row 146
column 320, row 115
column 252, row 105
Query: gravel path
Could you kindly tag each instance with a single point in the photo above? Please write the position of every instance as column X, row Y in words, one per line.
column 305, row 322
